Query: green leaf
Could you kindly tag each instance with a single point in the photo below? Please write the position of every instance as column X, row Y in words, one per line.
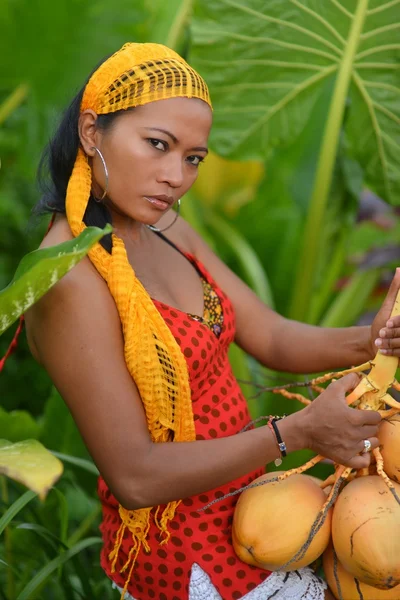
column 59, row 431
column 245, row 256
column 273, row 61
column 350, row 302
column 13, row 101
column 266, row 62
column 31, row 464
column 169, row 22
column 78, row 462
column 44, row 533
column 53, row 565
column 80, row 34
column 18, row 425
column 40, row 270
column 15, row 508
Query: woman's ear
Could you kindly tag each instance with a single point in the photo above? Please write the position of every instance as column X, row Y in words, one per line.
column 88, row 132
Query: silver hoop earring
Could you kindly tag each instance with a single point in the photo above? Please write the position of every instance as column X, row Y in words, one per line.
column 157, row 230
column 105, row 172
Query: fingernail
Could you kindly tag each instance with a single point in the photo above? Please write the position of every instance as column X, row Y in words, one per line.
column 383, row 351
column 378, row 342
column 390, row 324
column 382, row 332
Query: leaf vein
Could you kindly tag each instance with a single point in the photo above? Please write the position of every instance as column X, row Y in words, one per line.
column 272, row 41
column 285, row 100
column 390, row 141
column 239, row 109
column 377, row 65
column 373, row 11
column 342, row 9
column 255, row 61
column 378, row 133
column 386, row 112
column 377, row 49
column 383, row 86
column 256, row 86
column 380, row 30
column 321, row 19
column 283, row 23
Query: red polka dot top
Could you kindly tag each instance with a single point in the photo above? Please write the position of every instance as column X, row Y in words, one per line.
column 220, row 410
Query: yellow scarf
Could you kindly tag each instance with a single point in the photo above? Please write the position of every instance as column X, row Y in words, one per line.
column 133, row 76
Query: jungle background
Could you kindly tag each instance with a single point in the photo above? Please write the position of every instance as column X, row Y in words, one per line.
column 298, row 197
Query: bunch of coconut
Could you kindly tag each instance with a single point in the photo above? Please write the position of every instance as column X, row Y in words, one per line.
column 279, row 526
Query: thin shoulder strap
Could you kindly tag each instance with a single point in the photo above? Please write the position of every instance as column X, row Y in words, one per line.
column 163, row 237
column 192, row 262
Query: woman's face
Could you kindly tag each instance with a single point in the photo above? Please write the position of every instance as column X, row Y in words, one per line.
column 152, row 154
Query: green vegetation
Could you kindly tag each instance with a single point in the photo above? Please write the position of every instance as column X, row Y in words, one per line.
column 307, row 116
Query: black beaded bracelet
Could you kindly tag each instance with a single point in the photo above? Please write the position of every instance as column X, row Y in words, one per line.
column 281, row 443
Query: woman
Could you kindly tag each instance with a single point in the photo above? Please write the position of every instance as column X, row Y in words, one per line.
column 135, row 338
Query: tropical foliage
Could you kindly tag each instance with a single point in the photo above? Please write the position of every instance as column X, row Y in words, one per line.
column 306, row 117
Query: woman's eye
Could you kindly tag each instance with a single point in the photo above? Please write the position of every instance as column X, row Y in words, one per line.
column 195, row 160
column 158, row 144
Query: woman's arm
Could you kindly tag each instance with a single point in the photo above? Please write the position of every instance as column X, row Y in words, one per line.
column 77, row 336
column 277, row 342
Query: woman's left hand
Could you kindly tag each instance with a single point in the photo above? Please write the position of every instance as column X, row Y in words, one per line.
column 385, row 331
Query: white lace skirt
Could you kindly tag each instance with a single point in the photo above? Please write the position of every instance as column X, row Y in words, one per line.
column 296, row 585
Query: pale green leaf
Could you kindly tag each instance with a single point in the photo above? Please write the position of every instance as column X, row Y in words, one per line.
column 40, row 270
column 31, row 464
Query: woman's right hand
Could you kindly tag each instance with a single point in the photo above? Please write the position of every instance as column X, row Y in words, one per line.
column 337, row 431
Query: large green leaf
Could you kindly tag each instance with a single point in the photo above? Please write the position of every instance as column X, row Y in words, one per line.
column 274, row 60
column 169, row 23
column 265, row 63
column 31, row 464
column 40, row 270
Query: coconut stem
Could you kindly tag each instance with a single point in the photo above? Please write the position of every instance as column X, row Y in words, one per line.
column 342, row 474
column 358, row 589
column 335, row 574
column 296, row 471
column 381, row 473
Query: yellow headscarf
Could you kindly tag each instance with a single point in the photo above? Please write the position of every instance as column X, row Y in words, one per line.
column 133, row 76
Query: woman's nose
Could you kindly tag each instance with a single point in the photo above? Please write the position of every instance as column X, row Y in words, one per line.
column 172, row 171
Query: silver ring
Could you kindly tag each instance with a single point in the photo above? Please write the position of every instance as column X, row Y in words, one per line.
column 367, row 446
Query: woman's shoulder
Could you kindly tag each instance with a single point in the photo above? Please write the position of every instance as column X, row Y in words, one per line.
column 82, row 287
column 58, row 233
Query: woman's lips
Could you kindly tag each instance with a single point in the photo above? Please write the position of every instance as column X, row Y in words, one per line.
column 160, row 204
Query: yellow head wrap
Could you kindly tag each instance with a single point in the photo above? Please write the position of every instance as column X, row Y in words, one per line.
column 133, row 76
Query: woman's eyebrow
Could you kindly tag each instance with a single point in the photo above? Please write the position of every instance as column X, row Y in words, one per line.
column 175, row 139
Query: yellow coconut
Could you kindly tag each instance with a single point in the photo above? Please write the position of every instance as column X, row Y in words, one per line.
column 348, row 585
column 389, row 438
column 366, row 531
column 272, row 522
